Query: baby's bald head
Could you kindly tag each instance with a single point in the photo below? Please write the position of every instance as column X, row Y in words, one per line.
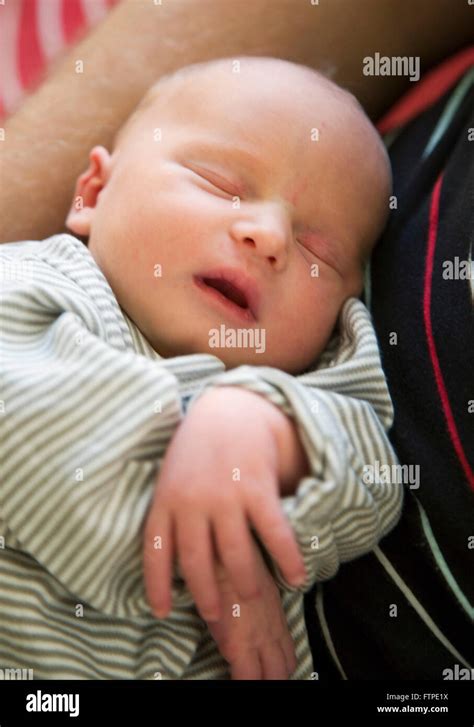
column 197, row 77
column 262, row 91
column 255, row 164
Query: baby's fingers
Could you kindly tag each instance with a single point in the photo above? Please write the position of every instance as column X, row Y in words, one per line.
column 277, row 536
column 157, row 562
column 196, row 560
column 236, row 552
column 267, row 662
column 288, row 649
column 273, row 661
column 247, row 666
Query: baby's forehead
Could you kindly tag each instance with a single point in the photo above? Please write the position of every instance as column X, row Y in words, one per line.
column 249, row 105
column 259, row 92
column 281, row 107
column 267, row 84
column 243, row 109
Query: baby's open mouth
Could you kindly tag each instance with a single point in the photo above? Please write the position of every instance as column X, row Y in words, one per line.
column 232, row 288
column 230, row 291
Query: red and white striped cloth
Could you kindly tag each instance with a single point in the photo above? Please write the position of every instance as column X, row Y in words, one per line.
column 32, row 34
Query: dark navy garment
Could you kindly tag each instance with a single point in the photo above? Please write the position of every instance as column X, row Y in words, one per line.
column 405, row 611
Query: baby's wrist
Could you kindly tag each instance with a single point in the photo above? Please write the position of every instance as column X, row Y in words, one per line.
column 293, row 461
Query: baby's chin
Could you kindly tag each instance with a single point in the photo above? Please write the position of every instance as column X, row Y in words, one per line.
column 234, row 347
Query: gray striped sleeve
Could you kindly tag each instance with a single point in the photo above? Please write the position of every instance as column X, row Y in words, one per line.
column 84, row 421
column 341, row 410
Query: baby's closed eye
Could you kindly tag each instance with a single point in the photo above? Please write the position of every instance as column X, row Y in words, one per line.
column 218, row 182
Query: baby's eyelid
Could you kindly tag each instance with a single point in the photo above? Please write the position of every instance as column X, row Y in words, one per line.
column 217, row 180
column 318, row 256
column 222, row 183
column 307, row 247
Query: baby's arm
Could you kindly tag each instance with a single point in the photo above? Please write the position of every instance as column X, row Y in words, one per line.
column 336, row 513
column 220, row 475
column 84, row 420
column 342, row 412
column 201, row 514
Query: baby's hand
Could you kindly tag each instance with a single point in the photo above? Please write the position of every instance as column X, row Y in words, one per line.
column 252, row 635
column 218, row 477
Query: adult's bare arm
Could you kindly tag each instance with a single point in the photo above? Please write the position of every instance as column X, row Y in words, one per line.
column 47, row 140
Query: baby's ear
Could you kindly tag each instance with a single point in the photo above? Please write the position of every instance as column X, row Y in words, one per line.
column 88, row 186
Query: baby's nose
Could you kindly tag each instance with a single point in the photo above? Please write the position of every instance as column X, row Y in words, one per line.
column 266, row 235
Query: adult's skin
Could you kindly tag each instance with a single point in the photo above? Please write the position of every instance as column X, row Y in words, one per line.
column 48, row 139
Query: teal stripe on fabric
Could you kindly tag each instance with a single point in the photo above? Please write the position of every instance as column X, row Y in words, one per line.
column 415, row 603
column 391, row 136
column 448, row 113
column 441, row 563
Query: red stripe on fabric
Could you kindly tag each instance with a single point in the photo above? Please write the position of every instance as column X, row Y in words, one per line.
column 427, row 91
column 443, row 394
column 29, row 55
column 72, row 19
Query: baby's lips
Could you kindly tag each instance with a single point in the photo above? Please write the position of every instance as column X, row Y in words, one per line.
column 237, row 278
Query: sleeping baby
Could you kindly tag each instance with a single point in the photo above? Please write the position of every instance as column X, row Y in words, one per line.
column 192, row 394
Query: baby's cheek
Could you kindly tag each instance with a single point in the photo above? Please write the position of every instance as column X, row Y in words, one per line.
column 316, row 317
column 294, row 343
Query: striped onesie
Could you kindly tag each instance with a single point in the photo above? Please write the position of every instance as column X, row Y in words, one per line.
column 87, row 409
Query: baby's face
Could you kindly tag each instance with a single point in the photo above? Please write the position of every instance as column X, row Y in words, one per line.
column 270, row 194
